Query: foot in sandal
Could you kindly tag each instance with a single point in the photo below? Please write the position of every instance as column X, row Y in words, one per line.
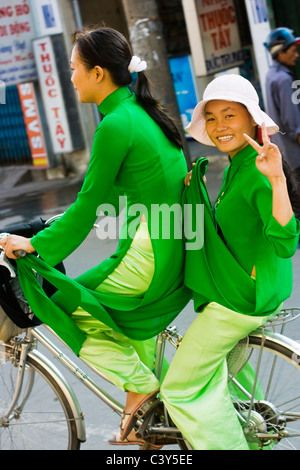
column 131, row 440
column 136, row 409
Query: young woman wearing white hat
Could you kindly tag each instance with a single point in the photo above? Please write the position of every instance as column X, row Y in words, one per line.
column 243, row 272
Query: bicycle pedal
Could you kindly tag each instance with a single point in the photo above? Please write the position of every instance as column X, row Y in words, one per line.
column 147, row 407
column 141, row 431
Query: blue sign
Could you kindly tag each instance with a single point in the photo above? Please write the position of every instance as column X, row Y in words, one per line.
column 49, row 16
column 259, row 11
column 184, row 84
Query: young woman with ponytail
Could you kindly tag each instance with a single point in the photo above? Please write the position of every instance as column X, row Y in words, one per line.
column 110, row 315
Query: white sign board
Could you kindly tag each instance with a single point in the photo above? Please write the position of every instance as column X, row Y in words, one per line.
column 260, row 28
column 220, row 35
column 16, row 34
column 52, row 95
column 194, row 35
column 47, row 17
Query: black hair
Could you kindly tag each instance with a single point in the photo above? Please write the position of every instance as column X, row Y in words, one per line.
column 109, row 49
column 292, row 183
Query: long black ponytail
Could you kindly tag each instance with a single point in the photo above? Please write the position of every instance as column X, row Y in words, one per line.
column 109, row 49
column 292, row 183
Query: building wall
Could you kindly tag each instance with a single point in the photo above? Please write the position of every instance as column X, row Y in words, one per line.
column 103, row 13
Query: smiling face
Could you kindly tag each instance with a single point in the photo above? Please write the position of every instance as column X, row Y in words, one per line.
column 226, row 124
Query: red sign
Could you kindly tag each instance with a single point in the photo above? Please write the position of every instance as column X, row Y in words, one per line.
column 33, row 125
column 220, row 35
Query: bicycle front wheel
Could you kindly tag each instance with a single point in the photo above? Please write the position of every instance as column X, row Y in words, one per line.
column 44, row 418
column 270, row 410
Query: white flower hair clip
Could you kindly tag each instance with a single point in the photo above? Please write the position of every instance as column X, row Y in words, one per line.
column 137, row 65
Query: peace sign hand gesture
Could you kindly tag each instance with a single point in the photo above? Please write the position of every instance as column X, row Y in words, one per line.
column 269, row 163
column 269, row 159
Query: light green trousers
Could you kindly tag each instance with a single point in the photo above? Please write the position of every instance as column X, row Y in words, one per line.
column 126, row 363
column 195, row 389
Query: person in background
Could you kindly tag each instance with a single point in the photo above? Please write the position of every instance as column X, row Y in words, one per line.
column 283, row 104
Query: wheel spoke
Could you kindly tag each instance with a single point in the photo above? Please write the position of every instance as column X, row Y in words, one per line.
column 45, row 421
column 272, row 415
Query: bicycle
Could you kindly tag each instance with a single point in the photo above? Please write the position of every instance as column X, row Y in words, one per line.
column 269, row 417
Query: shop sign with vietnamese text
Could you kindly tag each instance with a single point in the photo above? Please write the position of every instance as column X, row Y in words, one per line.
column 16, row 34
column 52, row 96
column 220, row 35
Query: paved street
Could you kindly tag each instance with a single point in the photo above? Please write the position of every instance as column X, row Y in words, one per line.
column 45, row 199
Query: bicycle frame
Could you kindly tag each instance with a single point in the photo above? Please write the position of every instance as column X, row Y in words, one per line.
column 29, row 345
column 77, row 371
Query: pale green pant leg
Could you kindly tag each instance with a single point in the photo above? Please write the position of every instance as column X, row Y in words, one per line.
column 146, row 352
column 125, row 362
column 195, row 389
column 113, row 355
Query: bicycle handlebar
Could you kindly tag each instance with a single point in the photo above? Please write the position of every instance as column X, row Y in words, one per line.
column 20, row 253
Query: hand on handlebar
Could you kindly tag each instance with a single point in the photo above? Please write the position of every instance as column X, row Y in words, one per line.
column 15, row 246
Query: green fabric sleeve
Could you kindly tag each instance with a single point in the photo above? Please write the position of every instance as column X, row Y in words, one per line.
column 110, row 147
column 283, row 239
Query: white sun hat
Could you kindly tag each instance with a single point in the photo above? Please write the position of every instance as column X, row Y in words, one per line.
column 228, row 87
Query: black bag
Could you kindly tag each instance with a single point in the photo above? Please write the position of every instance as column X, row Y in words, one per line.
column 12, row 300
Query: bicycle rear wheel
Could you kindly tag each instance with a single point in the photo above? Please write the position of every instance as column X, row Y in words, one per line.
column 46, row 420
column 273, row 421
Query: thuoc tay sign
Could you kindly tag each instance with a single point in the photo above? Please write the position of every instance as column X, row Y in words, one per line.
column 213, row 35
column 220, row 35
column 52, row 96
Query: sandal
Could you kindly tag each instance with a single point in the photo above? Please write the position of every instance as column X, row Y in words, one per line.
column 117, row 441
column 128, row 420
